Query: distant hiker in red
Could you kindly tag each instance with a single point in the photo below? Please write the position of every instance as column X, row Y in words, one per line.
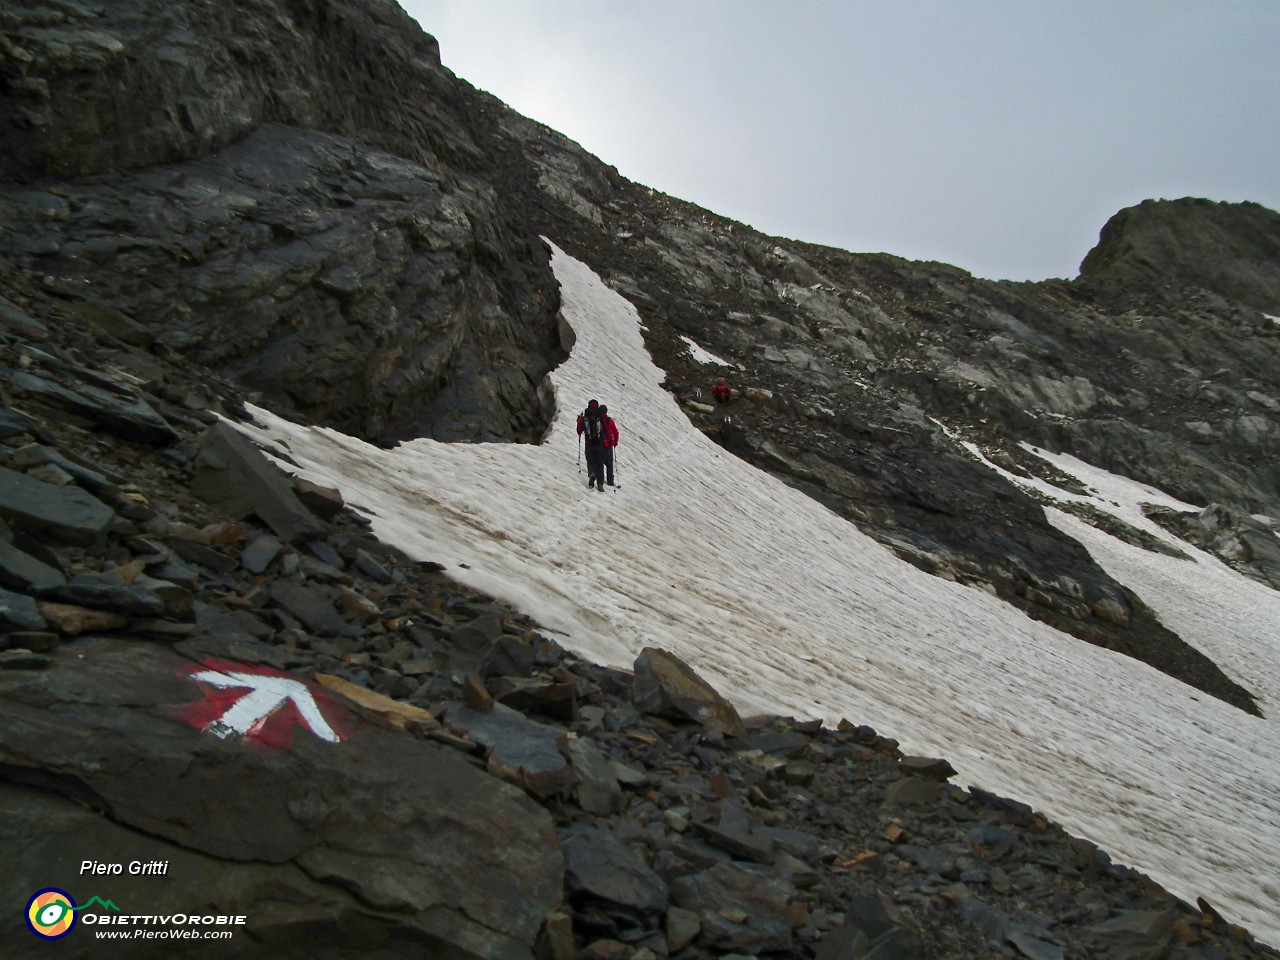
column 721, row 391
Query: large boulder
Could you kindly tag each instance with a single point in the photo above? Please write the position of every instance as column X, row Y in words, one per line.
column 666, row 686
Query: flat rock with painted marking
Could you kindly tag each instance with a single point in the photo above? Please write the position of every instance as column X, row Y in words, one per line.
column 375, row 828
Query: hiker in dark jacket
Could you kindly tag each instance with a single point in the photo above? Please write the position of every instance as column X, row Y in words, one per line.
column 591, row 430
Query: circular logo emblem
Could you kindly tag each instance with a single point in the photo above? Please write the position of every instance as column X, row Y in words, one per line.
column 51, row 913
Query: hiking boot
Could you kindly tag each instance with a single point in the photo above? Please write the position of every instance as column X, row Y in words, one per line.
column 591, row 483
column 601, row 487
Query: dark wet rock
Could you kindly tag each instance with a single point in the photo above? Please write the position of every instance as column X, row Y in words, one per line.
column 1034, row 947
column 324, row 502
column 17, row 658
column 66, row 513
column 313, row 606
column 260, row 554
column 595, row 782
column 325, row 553
column 25, row 572
column 741, row 907
column 89, row 477
column 12, row 319
column 912, row 790
column 1136, row 934
column 14, row 424
column 520, row 751
column 121, row 411
column 371, row 568
column 203, row 555
column 19, row 612
column 508, row 656
column 106, row 591
column 534, row 695
column 869, row 931
column 601, row 869
column 784, row 743
column 797, row 843
column 927, row 767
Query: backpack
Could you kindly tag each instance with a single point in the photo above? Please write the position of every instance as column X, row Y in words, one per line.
column 592, row 427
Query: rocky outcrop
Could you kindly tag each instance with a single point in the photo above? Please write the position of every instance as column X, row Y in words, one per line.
column 290, row 195
column 1173, row 247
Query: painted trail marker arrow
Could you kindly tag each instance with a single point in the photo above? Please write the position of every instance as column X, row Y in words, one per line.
column 267, row 694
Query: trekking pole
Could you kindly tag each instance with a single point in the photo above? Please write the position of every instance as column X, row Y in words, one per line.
column 579, row 453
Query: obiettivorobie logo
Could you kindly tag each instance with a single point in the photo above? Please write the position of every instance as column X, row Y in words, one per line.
column 51, row 913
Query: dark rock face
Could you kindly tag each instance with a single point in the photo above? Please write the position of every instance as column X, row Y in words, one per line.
column 330, row 237
column 169, row 83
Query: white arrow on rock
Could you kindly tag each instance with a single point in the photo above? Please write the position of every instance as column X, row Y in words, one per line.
column 266, row 695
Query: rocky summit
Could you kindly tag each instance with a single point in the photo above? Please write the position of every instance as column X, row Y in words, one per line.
column 211, row 672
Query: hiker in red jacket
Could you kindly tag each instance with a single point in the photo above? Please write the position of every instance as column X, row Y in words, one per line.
column 610, row 441
column 721, row 391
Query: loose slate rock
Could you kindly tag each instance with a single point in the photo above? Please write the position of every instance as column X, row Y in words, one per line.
column 755, row 897
column 106, row 591
column 599, row 867
column 313, row 607
column 124, row 414
column 233, row 474
column 25, row 572
column 66, row 513
column 520, row 751
column 19, row 612
column 595, row 783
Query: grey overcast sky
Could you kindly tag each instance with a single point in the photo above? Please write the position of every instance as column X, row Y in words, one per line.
column 995, row 135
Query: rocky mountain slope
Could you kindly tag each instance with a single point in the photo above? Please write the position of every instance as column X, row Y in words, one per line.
column 293, row 201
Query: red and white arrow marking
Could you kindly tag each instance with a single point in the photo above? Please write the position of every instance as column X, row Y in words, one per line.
column 267, row 694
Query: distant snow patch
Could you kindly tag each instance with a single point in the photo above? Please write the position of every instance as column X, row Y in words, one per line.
column 703, row 356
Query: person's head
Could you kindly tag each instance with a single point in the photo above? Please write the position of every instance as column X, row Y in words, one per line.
column 603, row 410
column 591, row 405
column 720, row 381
